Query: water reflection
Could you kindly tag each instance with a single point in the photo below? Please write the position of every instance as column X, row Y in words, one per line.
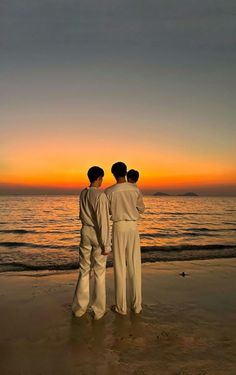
column 38, row 230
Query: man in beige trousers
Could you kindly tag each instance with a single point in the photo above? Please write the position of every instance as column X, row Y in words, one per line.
column 94, row 246
column 125, row 204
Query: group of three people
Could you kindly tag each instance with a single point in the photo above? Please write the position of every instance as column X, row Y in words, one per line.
column 122, row 201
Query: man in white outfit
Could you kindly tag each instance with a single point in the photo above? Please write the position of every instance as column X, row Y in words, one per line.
column 125, row 204
column 94, row 246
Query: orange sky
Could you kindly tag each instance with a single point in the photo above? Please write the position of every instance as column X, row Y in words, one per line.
column 63, row 161
column 91, row 82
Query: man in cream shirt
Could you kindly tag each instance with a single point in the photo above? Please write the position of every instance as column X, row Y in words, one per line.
column 125, row 204
column 94, row 246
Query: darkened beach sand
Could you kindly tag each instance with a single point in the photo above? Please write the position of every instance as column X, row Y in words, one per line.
column 187, row 326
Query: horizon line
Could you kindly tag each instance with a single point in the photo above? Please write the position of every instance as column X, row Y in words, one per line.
column 145, row 193
column 201, row 190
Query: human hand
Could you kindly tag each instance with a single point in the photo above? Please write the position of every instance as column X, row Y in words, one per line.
column 105, row 250
column 104, row 253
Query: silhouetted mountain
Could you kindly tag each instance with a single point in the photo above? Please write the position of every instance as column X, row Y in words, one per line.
column 189, row 194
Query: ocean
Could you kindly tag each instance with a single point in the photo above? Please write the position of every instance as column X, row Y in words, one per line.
column 43, row 232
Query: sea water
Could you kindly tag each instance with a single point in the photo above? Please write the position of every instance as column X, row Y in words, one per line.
column 43, row 232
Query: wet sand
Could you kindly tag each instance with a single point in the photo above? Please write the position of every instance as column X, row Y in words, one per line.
column 188, row 324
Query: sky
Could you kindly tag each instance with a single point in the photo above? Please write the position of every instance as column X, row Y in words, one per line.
column 87, row 82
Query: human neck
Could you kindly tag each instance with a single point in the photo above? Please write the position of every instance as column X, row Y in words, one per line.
column 95, row 184
column 121, row 180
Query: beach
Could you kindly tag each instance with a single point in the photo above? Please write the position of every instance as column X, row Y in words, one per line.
column 187, row 325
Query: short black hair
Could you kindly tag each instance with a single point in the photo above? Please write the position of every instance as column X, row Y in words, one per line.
column 119, row 169
column 133, row 175
column 94, row 173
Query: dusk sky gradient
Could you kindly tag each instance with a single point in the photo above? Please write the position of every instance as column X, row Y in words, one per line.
column 88, row 82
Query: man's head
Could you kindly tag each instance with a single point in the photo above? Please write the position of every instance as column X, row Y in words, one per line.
column 133, row 176
column 95, row 175
column 119, row 170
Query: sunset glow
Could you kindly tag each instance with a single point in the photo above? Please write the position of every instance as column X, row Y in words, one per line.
column 139, row 92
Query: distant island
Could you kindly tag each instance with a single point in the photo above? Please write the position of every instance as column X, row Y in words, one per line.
column 161, row 194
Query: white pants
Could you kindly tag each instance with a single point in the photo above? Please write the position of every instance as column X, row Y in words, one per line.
column 126, row 250
column 90, row 254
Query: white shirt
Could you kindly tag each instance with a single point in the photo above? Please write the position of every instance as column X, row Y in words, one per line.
column 94, row 212
column 125, row 202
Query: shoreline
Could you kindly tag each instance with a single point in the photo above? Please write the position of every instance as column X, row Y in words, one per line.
column 187, row 326
column 69, row 271
column 188, row 256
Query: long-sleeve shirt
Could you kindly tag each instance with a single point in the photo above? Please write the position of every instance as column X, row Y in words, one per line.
column 125, row 202
column 94, row 212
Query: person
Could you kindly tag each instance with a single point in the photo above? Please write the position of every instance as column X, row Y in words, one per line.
column 125, row 204
column 132, row 176
column 94, row 246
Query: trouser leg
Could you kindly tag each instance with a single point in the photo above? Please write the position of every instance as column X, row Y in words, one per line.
column 81, row 296
column 118, row 244
column 99, row 295
column 134, row 270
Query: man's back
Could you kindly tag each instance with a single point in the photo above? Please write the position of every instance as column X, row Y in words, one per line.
column 126, row 202
column 94, row 244
column 89, row 201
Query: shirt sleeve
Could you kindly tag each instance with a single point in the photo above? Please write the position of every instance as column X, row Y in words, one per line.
column 109, row 201
column 140, row 204
column 103, row 223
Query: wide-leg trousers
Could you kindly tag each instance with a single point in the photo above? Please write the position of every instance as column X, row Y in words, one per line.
column 90, row 254
column 126, row 251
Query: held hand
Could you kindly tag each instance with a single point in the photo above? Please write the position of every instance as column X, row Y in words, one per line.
column 105, row 251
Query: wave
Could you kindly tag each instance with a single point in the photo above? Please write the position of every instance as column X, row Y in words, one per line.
column 174, row 235
column 25, row 231
column 186, row 247
column 188, row 232
column 210, row 229
column 203, row 229
column 159, row 256
column 40, row 246
column 205, row 234
column 144, row 249
column 17, row 231
column 177, row 213
column 181, row 234
column 18, row 266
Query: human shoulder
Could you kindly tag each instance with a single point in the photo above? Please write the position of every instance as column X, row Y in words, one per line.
column 128, row 186
column 97, row 195
column 132, row 186
column 125, row 186
column 95, row 192
column 101, row 194
column 92, row 191
column 100, row 198
column 137, row 189
column 83, row 192
column 110, row 189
